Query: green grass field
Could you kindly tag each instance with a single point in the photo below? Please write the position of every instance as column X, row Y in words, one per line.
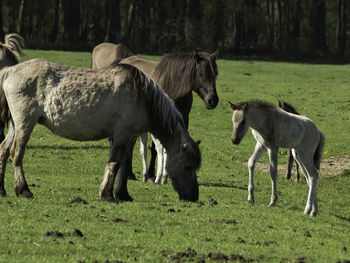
column 156, row 226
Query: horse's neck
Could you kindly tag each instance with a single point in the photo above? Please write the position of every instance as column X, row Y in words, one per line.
column 260, row 120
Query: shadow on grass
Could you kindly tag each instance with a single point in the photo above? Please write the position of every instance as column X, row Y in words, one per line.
column 62, row 147
column 223, row 185
column 347, row 219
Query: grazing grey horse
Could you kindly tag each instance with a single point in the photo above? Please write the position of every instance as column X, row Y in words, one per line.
column 9, row 53
column 118, row 103
column 272, row 128
column 105, row 54
column 289, row 108
column 178, row 75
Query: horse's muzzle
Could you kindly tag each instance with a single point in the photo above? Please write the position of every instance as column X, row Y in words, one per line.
column 235, row 140
column 212, row 103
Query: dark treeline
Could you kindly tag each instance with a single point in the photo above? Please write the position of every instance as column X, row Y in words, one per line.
column 291, row 28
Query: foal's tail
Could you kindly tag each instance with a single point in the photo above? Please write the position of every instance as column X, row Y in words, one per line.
column 318, row 152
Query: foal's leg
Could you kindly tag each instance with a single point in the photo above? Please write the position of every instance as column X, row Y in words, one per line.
column 143, row 152
column 273, row 156
column 4, row 155
column 297, row 171
column 152, row 164
column 290, row 164
column 258, row 151
column 309, row 169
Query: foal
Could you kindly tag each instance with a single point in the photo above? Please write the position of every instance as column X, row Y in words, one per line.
column 272, row 128
column 289, row 108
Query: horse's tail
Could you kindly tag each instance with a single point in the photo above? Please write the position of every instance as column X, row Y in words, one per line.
column 15, row 43
column 4, row 109
column 318, row 152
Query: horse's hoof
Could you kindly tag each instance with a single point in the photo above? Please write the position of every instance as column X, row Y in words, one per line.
column 2, row 192
column 132, row 177
column 23, row 192
column 104, row 196
column 307, row 211
column 150, row 179
column 313, row 213
column 125, row 197
column 251, row 201
column 272, row 204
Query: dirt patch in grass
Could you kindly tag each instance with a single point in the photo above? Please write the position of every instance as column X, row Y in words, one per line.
column 332, row 166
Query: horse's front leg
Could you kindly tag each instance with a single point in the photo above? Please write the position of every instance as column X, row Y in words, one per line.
column 121, row 191
column 273, row 156
column 258, row 151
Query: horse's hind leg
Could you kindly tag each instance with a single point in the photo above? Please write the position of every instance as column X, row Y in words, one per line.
column 143, row 152
column 18, row 148
column 160, row 156
column 4, row 154
column 165, row 172
column 273, row 155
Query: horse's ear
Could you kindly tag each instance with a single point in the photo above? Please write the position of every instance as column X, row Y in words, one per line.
column 280, row 103
column 198, row 142
column 245, row 107
column 195, row 56
column 233, row 106
column 214, row 55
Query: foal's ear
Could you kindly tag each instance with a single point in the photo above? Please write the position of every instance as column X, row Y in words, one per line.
column 233, row 106
column 214, row 55
column 195, row 56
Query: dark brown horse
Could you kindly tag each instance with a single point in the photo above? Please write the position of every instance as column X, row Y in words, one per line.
column 178, row 75
column 289, row 108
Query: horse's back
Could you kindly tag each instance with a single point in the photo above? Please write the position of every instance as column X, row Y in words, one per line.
column 105, row 54
column 143, row 64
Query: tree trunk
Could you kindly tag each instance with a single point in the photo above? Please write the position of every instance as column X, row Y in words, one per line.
column 71, row 10
column 341, row 27
column 54, row 30
column 2, row 33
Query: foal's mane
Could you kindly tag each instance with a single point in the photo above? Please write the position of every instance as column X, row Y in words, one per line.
column 255, row 104
column 287, row 107
column 175, row 73
column 164, row 116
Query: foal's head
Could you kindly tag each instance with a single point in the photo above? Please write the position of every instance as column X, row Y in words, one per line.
column 240, row 121
column 205, row 77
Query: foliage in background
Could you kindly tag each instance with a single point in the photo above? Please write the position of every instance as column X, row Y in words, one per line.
column 286, row 28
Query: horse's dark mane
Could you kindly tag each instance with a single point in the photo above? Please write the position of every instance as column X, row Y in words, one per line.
column 175, row 73
column 287, row 107
column 165, row 118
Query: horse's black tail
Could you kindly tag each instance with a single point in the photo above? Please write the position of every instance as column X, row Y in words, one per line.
column 318, row 152
column 4, row 109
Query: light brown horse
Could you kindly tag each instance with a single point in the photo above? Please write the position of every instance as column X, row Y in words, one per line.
column 118, row 103
column 9, row 53
column 105, row 54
